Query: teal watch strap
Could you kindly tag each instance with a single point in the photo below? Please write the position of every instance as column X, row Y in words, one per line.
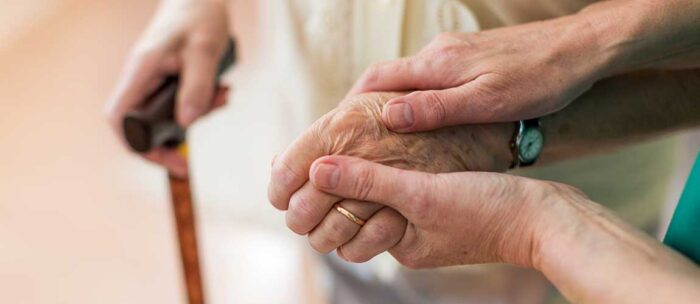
column 683, row 233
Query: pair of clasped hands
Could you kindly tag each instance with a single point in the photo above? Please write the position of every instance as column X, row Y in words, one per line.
column 412, row 149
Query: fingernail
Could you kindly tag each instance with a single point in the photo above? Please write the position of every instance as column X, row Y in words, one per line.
column 400, row 115
column 327, row 176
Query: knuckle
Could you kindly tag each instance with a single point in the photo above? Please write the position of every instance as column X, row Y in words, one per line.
column 373, row 73
column 435, row 106
column 445, row 44
column 363, row 184
column 282, row 173
column 281, row 181
column 420, row 202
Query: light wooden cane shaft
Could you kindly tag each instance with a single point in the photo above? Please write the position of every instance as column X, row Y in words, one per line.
column 181, row 196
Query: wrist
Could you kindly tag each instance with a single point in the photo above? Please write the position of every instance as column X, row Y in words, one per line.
column 579, row 50
column 636, row 35
column 612, row 27
column 586, row 252
column 567, row 242
column 500, row 140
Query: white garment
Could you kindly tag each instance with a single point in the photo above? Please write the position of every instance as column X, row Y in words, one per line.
column 307, row 55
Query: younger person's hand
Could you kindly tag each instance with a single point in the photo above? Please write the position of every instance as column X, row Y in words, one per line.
column 588, row 253
column 499, row 75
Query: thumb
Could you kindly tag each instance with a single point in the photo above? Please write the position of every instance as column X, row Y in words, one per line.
column 429, row 110
column 408, row 192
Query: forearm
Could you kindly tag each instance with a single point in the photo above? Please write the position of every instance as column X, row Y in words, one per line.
column 621, row 110
column 639, row 34
column 594, row 257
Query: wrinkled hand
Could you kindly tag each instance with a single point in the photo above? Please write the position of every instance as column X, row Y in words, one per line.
column 355, row 129
column 186, row 37
column 506, row 74
column 590, row 255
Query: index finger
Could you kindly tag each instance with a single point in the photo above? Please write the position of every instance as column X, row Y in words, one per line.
column 290, row 170
column 395, row 75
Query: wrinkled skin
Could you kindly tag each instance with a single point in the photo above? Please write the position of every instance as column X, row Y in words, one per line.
column 355, row 128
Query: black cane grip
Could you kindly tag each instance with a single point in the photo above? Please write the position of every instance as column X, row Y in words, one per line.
column 153, row 124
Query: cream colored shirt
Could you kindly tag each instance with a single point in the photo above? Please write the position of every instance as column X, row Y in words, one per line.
column 302, row 60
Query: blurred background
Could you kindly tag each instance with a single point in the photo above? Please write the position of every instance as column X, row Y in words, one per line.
column 83, row 221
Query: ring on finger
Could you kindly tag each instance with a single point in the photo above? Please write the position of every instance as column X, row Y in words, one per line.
column 349, row 215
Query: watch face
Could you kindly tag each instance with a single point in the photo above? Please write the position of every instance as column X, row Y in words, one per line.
column 531, row 144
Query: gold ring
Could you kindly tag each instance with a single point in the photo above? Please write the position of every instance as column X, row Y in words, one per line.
column 349, row 215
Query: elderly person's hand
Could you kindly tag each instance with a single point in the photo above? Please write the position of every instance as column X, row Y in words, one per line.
column 186, row 37
column 480, row 217
column 355, row 128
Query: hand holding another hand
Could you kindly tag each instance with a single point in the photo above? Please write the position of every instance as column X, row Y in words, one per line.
column 355, row 128
column 506, row 74
column 480, row 217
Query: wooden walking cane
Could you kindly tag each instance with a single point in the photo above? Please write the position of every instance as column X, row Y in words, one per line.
column 153, row 125
column 181, row 196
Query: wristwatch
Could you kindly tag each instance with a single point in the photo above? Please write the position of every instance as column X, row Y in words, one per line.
column 527, row 143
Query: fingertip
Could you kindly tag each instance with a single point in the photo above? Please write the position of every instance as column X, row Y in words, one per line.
column 279, row 204
column 282, row 184
column 324, row 172
column 294, row 225
column 398, row 115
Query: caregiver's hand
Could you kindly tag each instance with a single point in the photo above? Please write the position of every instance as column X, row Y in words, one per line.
column 499, row 75
column 355, row 128
column 534, row 69
column 186, row 37
column 479, row 217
